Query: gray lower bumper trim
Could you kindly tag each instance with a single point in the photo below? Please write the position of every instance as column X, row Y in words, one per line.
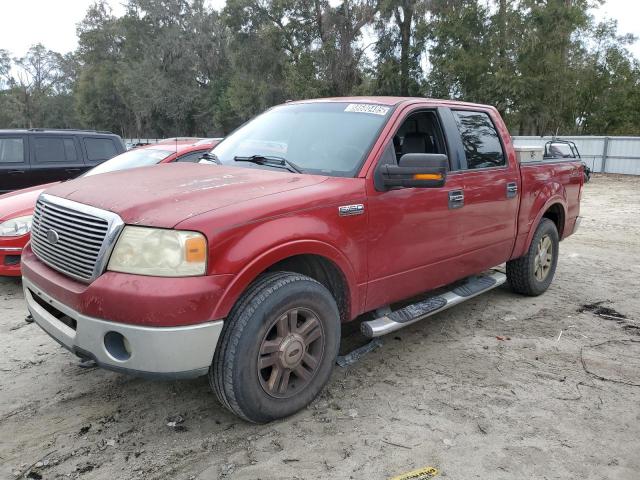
column 167, row 352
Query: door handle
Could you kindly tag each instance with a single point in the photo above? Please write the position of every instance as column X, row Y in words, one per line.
column 512, row 189
column 456, row 199
column 15, row 172
column 72, row 170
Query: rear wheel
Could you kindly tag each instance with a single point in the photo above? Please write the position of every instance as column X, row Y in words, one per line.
column 277, row 347
column 532, row 273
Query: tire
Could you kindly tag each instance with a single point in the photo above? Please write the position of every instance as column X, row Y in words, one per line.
column 284, row 322
column 524, row 274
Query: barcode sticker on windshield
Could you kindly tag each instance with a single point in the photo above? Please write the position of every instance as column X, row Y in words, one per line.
column 367, row 108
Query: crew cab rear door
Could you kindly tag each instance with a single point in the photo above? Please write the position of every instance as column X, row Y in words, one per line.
column 54, row 158
column 491, row 189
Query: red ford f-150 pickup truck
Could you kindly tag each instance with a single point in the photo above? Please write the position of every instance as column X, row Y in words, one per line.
column 312, row 214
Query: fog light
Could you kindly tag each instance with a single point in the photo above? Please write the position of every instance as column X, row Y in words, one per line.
column 117, row 346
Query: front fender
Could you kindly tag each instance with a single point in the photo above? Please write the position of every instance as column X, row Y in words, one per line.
column 278, row 253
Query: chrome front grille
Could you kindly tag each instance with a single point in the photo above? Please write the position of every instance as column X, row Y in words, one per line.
column 73, row 238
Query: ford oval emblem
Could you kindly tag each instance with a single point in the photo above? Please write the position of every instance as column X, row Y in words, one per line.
column 53, row 237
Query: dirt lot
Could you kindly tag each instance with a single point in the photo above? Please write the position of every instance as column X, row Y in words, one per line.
column 497, row 388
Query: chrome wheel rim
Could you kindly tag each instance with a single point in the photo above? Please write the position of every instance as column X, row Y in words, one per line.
column 543, row 258
column 291, row 352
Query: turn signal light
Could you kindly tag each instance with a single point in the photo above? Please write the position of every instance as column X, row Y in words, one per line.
column 196, row 249
column 427, row 176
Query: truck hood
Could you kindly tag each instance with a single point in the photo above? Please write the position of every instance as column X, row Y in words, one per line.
column 164, row 195
column 21, row 202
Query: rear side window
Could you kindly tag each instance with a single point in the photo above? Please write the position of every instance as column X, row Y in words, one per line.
column 50, row 149
column 480, row 140
column 100, row 149
column 11, row 150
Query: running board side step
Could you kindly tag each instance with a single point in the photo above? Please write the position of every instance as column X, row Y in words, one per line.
column 415, row 312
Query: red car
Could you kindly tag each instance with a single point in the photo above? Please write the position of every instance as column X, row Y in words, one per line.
column 310, row 215
column 16, row 208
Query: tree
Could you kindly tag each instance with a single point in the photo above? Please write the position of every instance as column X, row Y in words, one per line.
column 178, row 67
column 339, row 29
column 401, row 27
column 608, row 93
column 100, row 103
column 5, row 68
column 460, row 51
column 37, row 78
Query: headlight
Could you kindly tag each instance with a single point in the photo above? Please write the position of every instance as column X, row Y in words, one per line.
column 16, row 226
column 159, row 253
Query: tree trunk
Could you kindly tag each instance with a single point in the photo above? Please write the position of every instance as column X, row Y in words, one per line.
column 404, row 17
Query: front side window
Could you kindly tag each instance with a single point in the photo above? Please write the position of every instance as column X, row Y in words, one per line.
column 480, row 140
column 141, row 157
column 326, row 138
column 419, row 133
column 11, row 150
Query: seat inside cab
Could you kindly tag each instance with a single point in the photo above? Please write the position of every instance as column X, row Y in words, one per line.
column 420, row 133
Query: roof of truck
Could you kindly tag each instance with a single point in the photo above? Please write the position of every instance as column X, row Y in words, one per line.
column 390, row 101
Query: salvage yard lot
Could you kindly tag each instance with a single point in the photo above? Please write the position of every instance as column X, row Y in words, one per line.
column 502, row 387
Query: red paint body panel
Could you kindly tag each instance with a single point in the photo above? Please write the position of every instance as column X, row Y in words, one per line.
column 406, row 242
column 21, row 202
column 166, row 195
column 548, row 184
column 132, row 299
column 254, row 234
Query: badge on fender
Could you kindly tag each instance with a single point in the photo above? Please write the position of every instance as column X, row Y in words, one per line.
column 348, row 210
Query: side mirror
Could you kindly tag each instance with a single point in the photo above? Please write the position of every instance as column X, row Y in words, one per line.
column 422, row 170
column 208, row 157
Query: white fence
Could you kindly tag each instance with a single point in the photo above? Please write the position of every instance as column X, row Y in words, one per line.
column 601, row 154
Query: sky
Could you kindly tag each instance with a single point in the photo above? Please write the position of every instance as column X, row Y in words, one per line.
column 53, row 22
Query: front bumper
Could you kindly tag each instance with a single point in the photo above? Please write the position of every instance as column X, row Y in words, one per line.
column 161, row 352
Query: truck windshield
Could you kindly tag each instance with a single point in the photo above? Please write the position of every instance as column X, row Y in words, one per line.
column 319, row 138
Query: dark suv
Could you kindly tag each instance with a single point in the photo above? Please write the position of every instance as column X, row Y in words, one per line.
column 38, row 156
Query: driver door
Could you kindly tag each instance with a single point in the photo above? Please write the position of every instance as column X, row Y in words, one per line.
column 415, row 234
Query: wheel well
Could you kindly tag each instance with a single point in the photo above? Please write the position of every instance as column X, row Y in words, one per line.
column 555, row 213
column 324, row 271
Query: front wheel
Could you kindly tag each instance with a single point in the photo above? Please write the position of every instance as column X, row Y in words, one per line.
column 277, row 347
column 532, row 273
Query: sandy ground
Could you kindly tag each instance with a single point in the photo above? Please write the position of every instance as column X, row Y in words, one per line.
column 446, row 392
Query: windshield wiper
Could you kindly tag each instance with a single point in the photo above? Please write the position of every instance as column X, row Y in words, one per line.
column 271, row 161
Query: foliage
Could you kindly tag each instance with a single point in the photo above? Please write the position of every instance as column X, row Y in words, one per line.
column 177, row 67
